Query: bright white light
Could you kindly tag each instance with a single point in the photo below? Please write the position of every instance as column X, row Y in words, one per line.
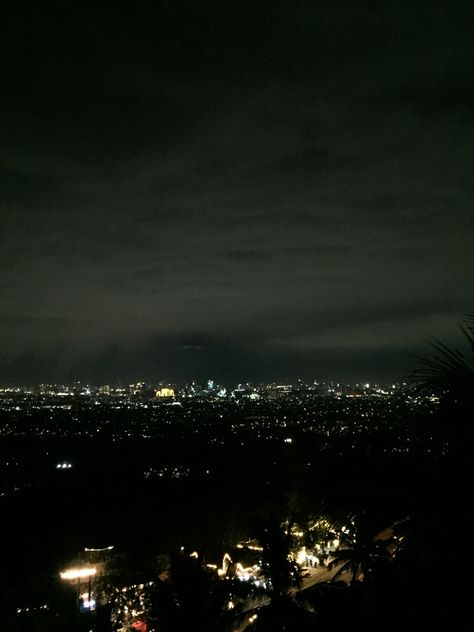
column 87, row 601
column 77, row 573
column 105, row 548
column 301, row 556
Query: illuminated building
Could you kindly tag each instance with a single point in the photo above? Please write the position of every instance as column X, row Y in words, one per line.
column 165, row 392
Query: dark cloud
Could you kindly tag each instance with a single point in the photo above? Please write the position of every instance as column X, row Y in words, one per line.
column 263, row 189
column 246, row 256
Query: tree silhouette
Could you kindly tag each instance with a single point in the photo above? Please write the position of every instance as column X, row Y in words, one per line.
column 449, row 375
column 278, row 606
column 442, row 517
column 450, row 372
column 361, row 561
column 193, row 597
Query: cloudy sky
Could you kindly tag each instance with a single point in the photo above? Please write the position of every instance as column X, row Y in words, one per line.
column 233, row 189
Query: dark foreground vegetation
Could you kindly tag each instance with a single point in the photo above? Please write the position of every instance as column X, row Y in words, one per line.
column 172, row 507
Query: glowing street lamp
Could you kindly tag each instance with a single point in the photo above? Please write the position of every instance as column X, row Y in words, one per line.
column 78, row 573
column 82, row 573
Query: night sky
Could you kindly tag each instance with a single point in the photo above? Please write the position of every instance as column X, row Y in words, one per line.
column 237, row 190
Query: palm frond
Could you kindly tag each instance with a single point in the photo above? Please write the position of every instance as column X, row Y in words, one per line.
column 449, row 372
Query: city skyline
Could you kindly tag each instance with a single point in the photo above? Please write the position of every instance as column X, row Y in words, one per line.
column 234, row 189
column 209, row 386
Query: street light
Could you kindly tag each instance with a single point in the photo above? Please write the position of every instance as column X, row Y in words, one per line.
column 80, row 573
